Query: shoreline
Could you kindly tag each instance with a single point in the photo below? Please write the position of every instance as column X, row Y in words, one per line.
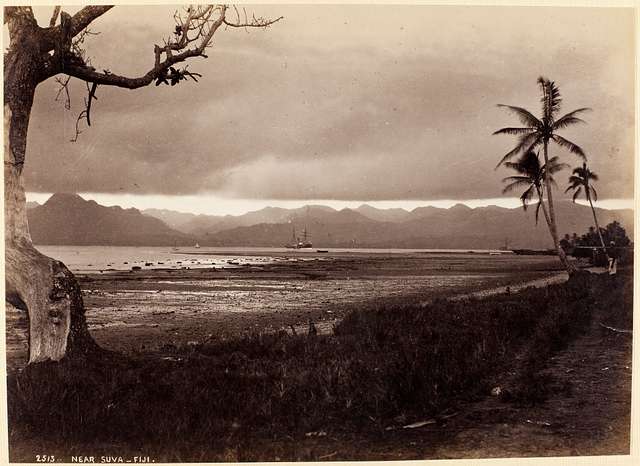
column 565, row 381
column 138, row 312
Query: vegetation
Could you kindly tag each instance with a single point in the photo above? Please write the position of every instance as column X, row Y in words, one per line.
column 385, row 365
column 586, row 244
column 582, row 179
column 540, row 132
column 531, row 175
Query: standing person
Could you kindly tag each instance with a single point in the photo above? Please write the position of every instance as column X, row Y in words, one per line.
column 613, row 258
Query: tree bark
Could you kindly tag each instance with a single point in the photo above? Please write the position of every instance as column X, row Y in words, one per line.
column 544, row 208
column 552, row 216
column 36, row 284
column 595, row 219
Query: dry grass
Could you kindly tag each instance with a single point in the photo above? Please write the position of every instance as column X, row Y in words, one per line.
column 383, row 361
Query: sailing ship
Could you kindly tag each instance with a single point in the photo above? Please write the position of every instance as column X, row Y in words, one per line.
column 299, row 243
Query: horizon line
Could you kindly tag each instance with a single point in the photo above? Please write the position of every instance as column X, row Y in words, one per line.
column 210, row 204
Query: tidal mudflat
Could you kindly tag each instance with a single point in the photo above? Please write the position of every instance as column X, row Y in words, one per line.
column 146, row 310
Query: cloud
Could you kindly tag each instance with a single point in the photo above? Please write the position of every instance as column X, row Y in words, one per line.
column 342, row 102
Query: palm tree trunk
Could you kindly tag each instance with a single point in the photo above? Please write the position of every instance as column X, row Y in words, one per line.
column 544, row 208
column 552, row 216
column 595, row 219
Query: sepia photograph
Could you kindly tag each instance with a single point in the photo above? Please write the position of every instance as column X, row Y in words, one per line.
column 294, row 232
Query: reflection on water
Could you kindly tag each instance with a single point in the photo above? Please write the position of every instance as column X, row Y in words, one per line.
column 96, row 258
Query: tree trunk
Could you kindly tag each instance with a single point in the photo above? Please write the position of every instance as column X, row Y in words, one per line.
column 36, row 284
column 595, row 219
column 552, row 216
column 544, row 208
column 546, row 216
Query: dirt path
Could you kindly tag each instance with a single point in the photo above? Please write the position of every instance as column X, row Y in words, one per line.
column 587, row 413
column 537, row 283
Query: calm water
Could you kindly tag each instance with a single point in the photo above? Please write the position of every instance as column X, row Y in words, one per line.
column 95, row 258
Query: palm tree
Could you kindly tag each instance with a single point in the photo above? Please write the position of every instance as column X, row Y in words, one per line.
column 536, row 132
column 531, row 175
column 581, row 180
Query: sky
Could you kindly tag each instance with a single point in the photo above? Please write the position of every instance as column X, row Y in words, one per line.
column 385, row 104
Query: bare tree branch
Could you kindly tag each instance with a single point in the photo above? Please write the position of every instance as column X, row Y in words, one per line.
column 254, row 22
column 54, row 17
column 86, row 16
column 86, row 113
column 194, row 32
column 92, row 95
column 54, row 35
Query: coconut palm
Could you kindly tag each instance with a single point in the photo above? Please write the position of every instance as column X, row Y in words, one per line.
column 539, row 132
column 581, row 180
column 531, row 175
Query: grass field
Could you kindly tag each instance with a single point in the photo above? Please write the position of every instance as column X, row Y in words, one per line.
column 386, row 365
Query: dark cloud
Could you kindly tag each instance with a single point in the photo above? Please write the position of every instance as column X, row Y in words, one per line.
column 342, row 102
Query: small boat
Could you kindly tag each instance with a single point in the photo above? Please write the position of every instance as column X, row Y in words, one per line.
column 197, row 246
column 322, row 250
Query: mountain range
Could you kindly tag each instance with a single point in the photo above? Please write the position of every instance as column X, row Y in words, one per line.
column 69, row 219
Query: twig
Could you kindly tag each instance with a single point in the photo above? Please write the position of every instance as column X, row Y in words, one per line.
column 64, row 86
column 617, row 330
column 92, row 95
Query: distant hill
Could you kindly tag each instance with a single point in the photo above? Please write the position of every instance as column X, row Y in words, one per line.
column 458, row 227
column 203, row 225
column 384, row 215
column 69, row 219
column 172, row 218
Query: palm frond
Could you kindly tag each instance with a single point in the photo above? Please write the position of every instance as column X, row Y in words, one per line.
column 578, row 173
column 524, row 115
column 526, row 196
column 570, row 146
column 572, row 186
column 554, row 165
column 514, row 131
column 512, row 165
column 577, row 193
column 557, row 167
column 538, row 210
column 526, row 141
column 567, row 122
column 515, row 184
column 570, row 118
column 594, row 194
column 551, row 98
column 516, row 178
